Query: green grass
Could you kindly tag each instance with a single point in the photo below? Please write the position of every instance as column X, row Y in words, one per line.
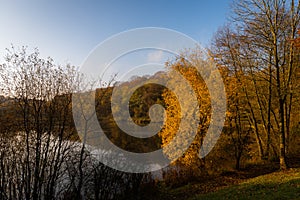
column 277, row 185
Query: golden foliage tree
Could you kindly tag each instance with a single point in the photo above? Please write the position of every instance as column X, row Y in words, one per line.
column 176, row 111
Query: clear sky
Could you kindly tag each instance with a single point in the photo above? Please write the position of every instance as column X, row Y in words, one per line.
column 68, row 30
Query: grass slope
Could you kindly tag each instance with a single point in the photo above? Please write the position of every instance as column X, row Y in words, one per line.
column 277, row 185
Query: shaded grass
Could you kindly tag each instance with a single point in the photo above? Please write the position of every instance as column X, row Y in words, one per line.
column 277, row 185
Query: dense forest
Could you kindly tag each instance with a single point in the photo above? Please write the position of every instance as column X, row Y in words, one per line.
column 42, row 156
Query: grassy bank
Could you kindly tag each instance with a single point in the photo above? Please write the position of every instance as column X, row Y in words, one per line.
column 276, row 185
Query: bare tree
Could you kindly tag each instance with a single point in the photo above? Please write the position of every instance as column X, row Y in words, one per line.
column 43, row 121
column 263, row 31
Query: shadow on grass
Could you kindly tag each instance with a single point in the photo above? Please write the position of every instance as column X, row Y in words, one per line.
column 259, row 189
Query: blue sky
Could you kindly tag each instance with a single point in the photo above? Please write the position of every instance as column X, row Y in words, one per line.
column 68, row 30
